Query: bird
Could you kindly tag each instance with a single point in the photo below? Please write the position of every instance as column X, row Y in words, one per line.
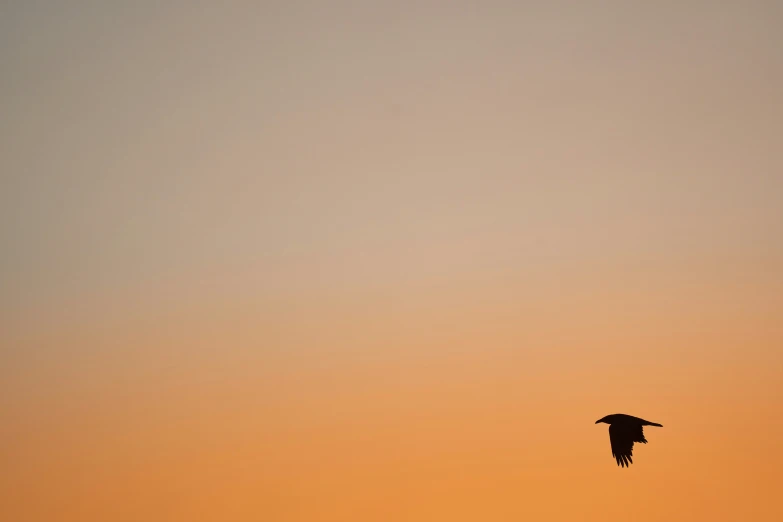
column 624, row 430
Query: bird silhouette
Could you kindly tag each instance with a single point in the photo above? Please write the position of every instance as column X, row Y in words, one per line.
column 624, row 430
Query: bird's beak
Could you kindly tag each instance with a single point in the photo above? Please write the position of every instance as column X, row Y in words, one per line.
column 599, row 420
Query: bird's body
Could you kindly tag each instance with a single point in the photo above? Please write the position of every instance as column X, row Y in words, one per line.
column 624, row 430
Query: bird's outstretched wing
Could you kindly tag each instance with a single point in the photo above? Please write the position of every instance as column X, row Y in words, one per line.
column 622, row 438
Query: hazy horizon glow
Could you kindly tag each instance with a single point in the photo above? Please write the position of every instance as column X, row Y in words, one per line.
column 390, row 262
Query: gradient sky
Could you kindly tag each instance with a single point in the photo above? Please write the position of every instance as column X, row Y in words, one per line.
column 390, row 261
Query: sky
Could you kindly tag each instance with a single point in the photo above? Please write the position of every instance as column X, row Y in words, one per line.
column 390, row 261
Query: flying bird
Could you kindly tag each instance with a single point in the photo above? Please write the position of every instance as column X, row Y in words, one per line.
column 624, row 430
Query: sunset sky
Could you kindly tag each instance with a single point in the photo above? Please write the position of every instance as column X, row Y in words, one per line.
column 390, row 261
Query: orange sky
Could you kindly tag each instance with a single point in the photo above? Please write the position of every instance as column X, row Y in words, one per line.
column 334, row 263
